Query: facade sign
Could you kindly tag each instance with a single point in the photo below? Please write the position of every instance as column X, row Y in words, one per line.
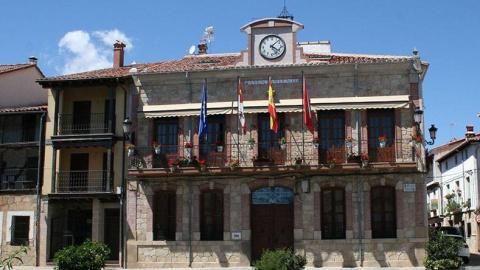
column 409, row 188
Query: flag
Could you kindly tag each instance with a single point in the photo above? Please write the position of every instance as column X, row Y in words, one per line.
column 271, row 107
column 202, row 129
column 307, row 112
column 241, row 111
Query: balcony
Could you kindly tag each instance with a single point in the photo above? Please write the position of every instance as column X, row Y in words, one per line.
column 83, row 182
column 91, row 123
column 83, row 130
column 395, row 154
column 14, row 134
column 18, row 179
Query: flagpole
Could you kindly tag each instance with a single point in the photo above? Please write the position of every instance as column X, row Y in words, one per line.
column 303, row 117
column 238, row 120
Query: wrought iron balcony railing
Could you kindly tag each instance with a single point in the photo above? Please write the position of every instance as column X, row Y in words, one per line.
column 274, row 154
column 91, row 123
column 82, row 181
column 19, row 133
column 17, row 179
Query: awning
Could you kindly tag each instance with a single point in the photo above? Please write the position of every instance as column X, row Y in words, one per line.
column 283, row 105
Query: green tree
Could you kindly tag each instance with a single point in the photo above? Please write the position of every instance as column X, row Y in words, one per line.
column 442, row 252
column 16, row 255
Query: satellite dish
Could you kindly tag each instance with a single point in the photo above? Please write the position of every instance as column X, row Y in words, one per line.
column 191, row 50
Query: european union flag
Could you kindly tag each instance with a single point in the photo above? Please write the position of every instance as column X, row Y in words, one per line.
column 202, row 129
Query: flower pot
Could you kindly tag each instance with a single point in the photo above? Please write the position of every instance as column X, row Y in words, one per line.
column 173, row 168
column 158, row 150
column 315, row 145
column 203, row 168
column 188, row 151
column 219, row 148
column 383, row 144
column 283, row 146
column 349, row 144
column 130, row 151
column 298, row 166
column 250, row 145
column 331, row 165
column 364, row 163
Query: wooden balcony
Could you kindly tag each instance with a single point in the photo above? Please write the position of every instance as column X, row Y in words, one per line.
column 92, row 181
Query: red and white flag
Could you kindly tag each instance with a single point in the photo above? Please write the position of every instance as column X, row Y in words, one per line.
column 241, row 111
column 307, row 112
column 271, row 107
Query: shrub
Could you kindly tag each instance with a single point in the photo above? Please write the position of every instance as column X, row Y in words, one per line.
column 88, row 256
column 280, row 259
column 442, row 252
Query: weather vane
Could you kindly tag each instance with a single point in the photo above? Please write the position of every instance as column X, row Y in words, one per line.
column 285, row 14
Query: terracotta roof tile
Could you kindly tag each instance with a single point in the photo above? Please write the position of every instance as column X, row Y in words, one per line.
column 24, row 109
column 8, row 68
column 219, row 62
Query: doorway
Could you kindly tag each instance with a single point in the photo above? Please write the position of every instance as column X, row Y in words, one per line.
column 272, row 220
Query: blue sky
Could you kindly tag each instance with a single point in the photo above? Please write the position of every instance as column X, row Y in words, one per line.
column 73, row 36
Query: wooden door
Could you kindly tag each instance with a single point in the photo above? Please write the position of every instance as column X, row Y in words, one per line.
column 81, row 117
column 272, row 220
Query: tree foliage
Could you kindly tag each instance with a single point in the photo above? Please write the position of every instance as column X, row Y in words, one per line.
column 280, row 259
column 16, row 255
column 442, row 252
column 88, row 256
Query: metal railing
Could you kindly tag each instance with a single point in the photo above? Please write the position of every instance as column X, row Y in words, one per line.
column 82, row 181
column 274, row 154
column 16, row 179
column 19, row 133
column 88, row 123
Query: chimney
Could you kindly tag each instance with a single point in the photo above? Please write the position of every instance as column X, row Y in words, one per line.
column 202, row 48
column 470, row 133
column 33, row 60
column 118, row 54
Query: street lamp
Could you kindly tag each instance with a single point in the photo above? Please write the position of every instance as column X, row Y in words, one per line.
column 127, row 130
column 417, row 118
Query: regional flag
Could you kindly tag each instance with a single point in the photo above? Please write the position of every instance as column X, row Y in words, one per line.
column 241, row 111
column 202, row 129
column 271, row 107
column 307, row 111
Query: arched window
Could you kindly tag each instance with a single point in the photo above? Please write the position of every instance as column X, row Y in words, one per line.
column 211, row 209
column 164, row 217
column 384, row 222
column 333, row 213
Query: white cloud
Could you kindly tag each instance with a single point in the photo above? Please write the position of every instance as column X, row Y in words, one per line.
column 109, row 37
column 82, row 53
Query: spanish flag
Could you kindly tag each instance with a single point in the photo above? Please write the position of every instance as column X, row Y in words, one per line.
column 307, row 111
column 271, row 107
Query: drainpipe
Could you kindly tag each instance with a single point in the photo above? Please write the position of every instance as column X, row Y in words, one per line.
column 359, row 187
column 189, row 179
column 41, row 156
column 123, row 227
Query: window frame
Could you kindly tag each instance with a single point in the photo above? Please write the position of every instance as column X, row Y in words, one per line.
column 169, row 136
column 338, row 230
column 10, row 224
column 216, row 215
column 382, row 228
column 164, row 215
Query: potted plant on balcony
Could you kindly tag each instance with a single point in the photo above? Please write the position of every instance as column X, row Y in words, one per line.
column 130, row 149
column 382, row 140
column 173, row 164
column 331, row 162
column 234, row 164
column 219, row 145
column 283, row 143
column 157, row 147
column 349, row 142
column 416, row 140
column 202, row 165
column 188, row 148
column 316, row 142
column 364, row 158
column 298, row 162
column 250, row 143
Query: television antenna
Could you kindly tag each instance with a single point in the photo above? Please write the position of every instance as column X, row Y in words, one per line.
column 207, row 36
column 191, row 50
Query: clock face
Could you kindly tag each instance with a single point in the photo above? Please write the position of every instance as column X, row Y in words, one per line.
column 272, row 47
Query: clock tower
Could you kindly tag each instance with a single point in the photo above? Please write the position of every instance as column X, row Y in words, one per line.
column 271, row 41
